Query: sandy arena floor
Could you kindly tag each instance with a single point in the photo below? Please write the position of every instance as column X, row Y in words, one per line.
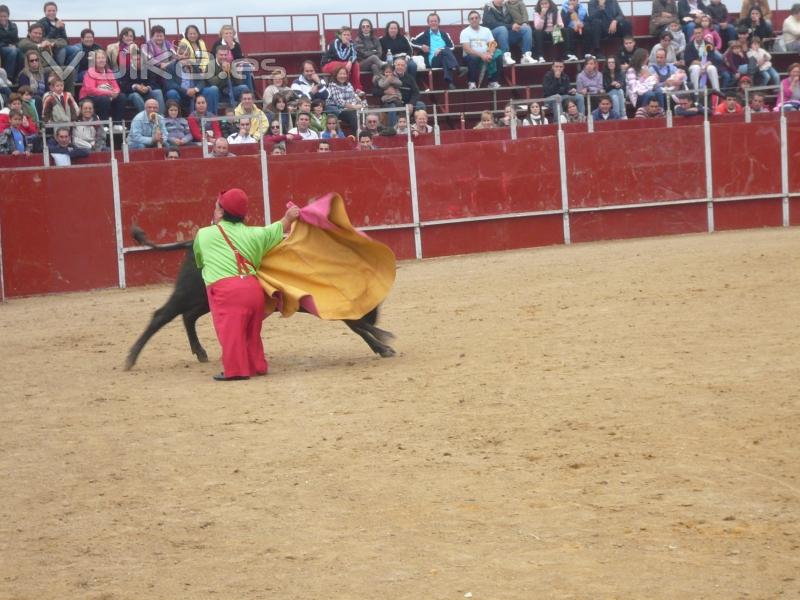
column 615, row 420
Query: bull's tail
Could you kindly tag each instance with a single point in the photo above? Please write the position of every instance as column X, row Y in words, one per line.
column 140, row 236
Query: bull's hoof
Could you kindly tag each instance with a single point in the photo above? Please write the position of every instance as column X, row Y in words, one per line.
column 129, row 362
column 387, row 353
column 202, row 357
column 383, row 335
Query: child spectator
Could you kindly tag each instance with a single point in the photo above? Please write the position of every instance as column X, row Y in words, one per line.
column 708, row 31
column 734, row 64
column 242, row 136
column 332, row 130
column 28, row 104
column 729, row 107
column 509, row 115
column 12, row 139
column 765, row 71
column 229, row 127
column 486, row 122
column 318, row 116
column 389, row 84
column 640, row 81
column 89, row 134
column 58, row 106
column 604, row 110
column 535, row 115
column 402, row 125
column 178, row 132
column 678, row 38
column 28, row 125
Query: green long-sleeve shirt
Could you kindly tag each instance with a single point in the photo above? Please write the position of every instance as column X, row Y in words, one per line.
column 215, row 257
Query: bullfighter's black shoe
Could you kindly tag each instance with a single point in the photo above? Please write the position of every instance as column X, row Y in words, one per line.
column 221, row 377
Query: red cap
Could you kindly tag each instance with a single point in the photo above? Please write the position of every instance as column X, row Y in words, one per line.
column 233, row 202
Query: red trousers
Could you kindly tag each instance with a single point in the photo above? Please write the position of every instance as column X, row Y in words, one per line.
column 355, row 72
column 237, row 309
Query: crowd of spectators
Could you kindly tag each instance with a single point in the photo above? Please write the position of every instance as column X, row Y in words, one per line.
column 169, row 87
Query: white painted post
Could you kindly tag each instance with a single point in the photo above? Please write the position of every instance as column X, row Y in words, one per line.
column 784, row 169
column 709, row 174
column 412, row 176
column 562, row 164
column 118, row 221
column 265, row 183
column 514, row 124
column 437, row 138
column 2, row 275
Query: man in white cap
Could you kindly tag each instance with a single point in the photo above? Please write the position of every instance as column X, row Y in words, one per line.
column 228, row 253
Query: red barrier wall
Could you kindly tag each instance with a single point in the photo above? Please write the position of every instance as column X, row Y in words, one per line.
column 745, row 157
column 58, row 230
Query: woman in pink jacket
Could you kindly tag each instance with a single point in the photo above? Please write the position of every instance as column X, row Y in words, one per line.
column 790, row 89
column 101, row 87
column 547, row 25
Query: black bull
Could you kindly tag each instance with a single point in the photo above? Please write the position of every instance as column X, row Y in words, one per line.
column 189, row 300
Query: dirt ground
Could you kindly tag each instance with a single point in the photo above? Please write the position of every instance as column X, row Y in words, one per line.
column 612, row 420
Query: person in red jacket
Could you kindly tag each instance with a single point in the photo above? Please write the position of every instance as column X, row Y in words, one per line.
column 101, row 87
column 212, row 131
column 731, row 106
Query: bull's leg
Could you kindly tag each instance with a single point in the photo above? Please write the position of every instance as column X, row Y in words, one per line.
column 377, row 346
column 161, row 317
column 189, row 321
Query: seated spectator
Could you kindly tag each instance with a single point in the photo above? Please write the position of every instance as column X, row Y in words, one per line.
column 571, row 113
column 29, row 108
column 669, row 76
column 556, row 86
column 401, row 127
column 124, row 52
column 12, row 139
column 762, row 5
column 664, row 12
column 279, row 149
column 158, row 51
column 11, row 57
column 230, row 126
column 641, row 82
column 279, row 111
column 243, row 68
column 509, row 116
column 731, row 106
column 395, row 45
column 389, row 85
column 665, row 44
column 242, row 136
column 55, row 32
column 275, row 134
column 626, row 54
column 408, row 88
column 332, row 130
column 35, row 42
column 789, row 98
column 686, row 107
column 341, row 53
column 309, row 85
column 743, row 37
column 606, row 21
column 176, row 126
column 89, row 135
column 259, row 122
column 756, row 24
column 678, row 40
column 372, row 123
column 745, row 83
column 437, row 48
column 137, row 83
column 34, row 76
column 342, row 99
column 547, row 26
column 721, row 20
column 303, row 129
column 708, row 31
column 507, row 20
column 101, row 87
column 486, row 122
column 279, row 85
column 574, row 15
column 590, row 79
column 58, row 106
column 221, row 149
column 700, row 59
column 758, row 104
column 765, row 72
column 200, row 112
column 172, row 153
column 195, row 47
column 605, row 111
column 689, row 13
column 224, row 77
column 318, row 116
column 365, row 140
column 147, row 128
column 85, row 49
column 651, row 110
column 5, row 86
column 28, row 126
column 734, row 65
column 789, row 42
column 62, row 149
column 535, row 115
column 184, row 83
column 479, row 52
column 324, row 146
column 420, row 126
column 614, row 85
column 368, row 48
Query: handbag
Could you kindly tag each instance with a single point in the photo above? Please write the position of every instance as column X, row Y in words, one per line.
column 558, row 36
